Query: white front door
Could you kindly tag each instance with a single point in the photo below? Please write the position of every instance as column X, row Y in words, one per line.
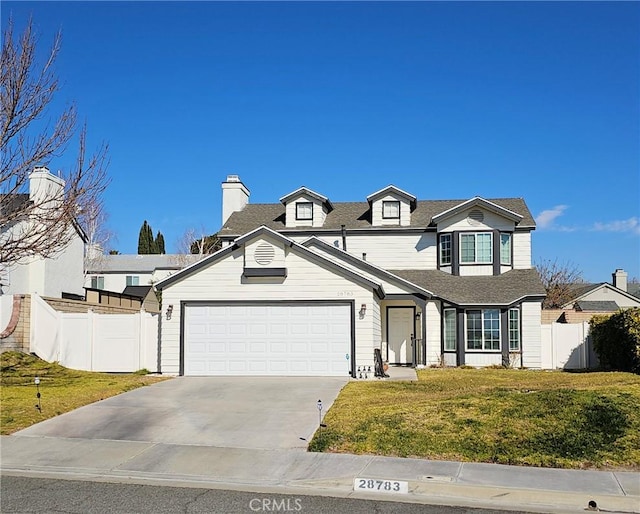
column 293, row 339
column 400, row 330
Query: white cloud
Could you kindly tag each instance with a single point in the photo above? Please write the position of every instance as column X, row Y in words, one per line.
column 630, row 225
column 546, row 218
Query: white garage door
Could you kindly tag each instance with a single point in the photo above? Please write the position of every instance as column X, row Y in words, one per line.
column 267, row 339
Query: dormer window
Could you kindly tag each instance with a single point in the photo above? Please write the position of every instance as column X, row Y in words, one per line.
column 391, row 209
column 304, row 211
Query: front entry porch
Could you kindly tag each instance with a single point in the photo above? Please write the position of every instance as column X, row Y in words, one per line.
column 403, row 324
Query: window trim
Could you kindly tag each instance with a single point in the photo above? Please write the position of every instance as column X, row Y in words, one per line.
column 389, row 202
column 483, row 329
column 440, row 248
column 475, row 248
column 304, row 218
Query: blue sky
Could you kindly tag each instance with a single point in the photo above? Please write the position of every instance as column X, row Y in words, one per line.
column 445, row 100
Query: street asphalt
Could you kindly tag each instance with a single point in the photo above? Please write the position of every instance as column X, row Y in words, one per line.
column 250, row 434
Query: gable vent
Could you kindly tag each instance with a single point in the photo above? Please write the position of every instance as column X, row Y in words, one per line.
column 476, row 217
column 264, row 254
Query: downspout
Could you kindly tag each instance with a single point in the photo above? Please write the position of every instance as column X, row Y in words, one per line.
column 344, row 237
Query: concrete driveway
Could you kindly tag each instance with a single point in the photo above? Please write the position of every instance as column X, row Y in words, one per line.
column 233, row 412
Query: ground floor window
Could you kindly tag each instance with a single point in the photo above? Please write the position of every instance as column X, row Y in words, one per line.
column 449, row 329
column 483, row 330
column 514, row 330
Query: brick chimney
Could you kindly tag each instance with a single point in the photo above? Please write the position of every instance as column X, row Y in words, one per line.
column 620, row 279
column 234, row 196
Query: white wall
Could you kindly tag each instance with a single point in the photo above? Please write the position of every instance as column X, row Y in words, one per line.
column 6, row 308
column 65, row 271
column 319, row 214
column 376, row 212
column 483, row 359
column 389, row 288
column 116, row 282
column 521, row 250
column 389, row 251
column 491, row 221
column 531, row 335
column 306, row 280
column 434, row 335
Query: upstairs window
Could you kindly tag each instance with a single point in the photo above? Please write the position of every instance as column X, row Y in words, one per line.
column 476, row 248
column 133, row 280
column 505, row 248
column 304, row 211
column 97, row 282
column 390, row 209
column 445, row 249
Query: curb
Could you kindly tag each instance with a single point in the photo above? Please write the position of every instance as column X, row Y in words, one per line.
column 432, row 493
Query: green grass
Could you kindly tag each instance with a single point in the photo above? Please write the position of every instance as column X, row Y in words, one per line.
column 61, row 389
column 533, row 418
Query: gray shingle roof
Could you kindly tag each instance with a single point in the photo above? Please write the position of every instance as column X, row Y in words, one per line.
column 476, row 290
column 597, row 305
column 354, row 215
column 139, row 263
column 137, row 291
column 12, row 203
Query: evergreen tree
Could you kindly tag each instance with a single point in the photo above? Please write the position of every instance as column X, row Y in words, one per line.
column 159, row 243
column 144, row 246
column 152, row 242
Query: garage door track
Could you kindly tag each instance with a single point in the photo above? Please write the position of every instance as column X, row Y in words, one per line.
column 234, row 412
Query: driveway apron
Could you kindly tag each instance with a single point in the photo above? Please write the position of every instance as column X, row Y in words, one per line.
column 234, row 412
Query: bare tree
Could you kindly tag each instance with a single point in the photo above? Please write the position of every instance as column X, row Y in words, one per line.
column 40, row 225
column 191, row 244
column 560, row 280
column 93, row 219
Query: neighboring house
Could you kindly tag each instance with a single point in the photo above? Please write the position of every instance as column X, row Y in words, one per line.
column 116, row 272
column 312, row 287
column 600, row 298
column 604, row 297
column 52, row 276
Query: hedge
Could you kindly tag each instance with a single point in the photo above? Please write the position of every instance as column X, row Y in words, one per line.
column 616, row 340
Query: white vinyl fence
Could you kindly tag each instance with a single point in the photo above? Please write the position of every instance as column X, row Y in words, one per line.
column 94, row 342
column 567, row 346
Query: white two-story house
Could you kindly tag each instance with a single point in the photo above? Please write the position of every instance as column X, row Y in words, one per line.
column 306, row 286
column 55, row 275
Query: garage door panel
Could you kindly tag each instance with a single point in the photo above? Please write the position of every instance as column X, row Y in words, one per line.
column 282, row 339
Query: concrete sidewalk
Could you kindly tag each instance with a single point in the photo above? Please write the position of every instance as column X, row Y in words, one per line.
column 295, row 471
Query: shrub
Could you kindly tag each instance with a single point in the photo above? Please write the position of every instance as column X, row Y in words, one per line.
column 616, row 340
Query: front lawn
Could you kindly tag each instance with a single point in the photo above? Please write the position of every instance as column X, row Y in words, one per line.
column 61, row 389
column 535, row 418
